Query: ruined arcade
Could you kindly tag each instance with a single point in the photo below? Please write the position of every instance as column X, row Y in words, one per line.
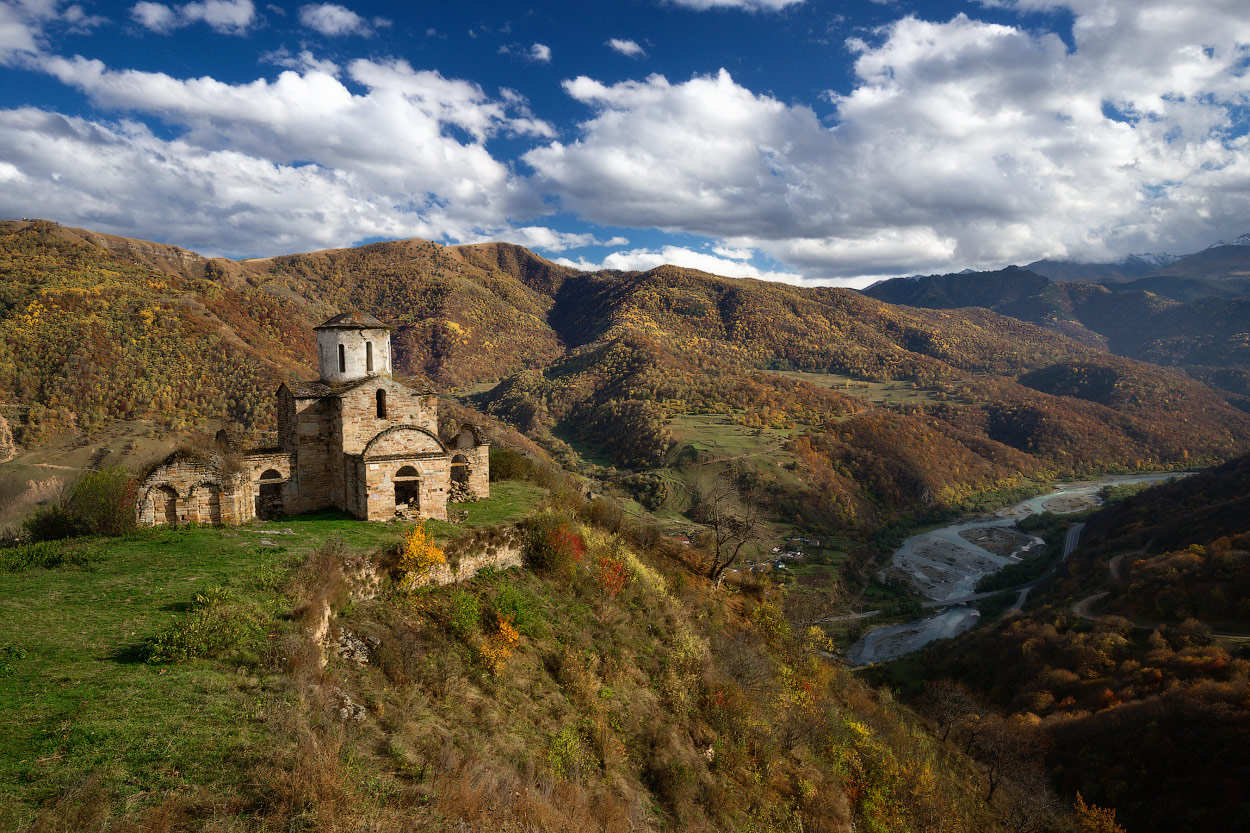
column 355, row 439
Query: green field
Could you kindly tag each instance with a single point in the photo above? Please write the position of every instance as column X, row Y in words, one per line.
column 893, row 392
column 82, row 708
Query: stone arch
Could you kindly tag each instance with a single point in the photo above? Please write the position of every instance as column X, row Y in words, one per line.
column 269, row 495
column 206, row 503
column 403, row 439
column 164, row 500
column 407, row 488
column 469, row 437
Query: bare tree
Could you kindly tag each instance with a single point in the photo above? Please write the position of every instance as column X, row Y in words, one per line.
column 951, row 704
column 730, row 524
column 1029, row 805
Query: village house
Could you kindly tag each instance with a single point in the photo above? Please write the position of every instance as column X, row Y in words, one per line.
column 355, row 440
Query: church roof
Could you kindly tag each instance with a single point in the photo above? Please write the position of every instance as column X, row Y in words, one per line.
column 352, row 321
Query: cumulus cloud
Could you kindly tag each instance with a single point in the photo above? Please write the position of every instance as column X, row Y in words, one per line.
column 640, row 260
column 333, row 20
column 547, row 239
column 293, row 163
column 749, row 5
column 628, row 48
column 229, row 17
column 23, row 24
column 961, row 143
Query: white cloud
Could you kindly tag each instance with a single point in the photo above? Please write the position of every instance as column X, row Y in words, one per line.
column 628, row 48
column 333, row 20
column 295, row 163
column 305, row 61
column 547, row 239
column 538, row 53
column 229, row 17
column 23, row 24
column 748, row 5
column 962, row 143
column 641, row 260
column 156, row 17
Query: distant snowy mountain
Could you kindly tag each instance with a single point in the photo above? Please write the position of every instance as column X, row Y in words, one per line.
column 1150, row 259
column 1244, row 240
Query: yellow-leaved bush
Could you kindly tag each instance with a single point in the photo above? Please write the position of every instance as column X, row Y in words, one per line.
column 418, row 557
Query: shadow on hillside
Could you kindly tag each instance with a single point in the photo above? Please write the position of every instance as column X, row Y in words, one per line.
column 136, row 653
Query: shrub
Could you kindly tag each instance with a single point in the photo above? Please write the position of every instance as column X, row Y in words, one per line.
column 47, row 554
column 509, row 464
column 103, row 502
column 218, row 625
column 466, row 615
column 519, row 608
column 418, row 557
column 554, row 546
column 51, row 523
column 613, row 574
column 567, row 756
column 496, row 649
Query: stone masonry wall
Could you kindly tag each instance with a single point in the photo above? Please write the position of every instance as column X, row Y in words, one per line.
column 434, row 473
column 354, row 353
column 201, row 493
column 358, row 412
column 313, row 476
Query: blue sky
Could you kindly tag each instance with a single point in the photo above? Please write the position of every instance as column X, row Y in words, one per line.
column 800, row 140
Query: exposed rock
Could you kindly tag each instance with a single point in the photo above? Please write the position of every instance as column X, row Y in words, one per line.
column 348, row 708
column 350, row 647
column 8, row 448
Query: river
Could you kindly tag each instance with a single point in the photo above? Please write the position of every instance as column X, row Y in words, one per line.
column 945, row 564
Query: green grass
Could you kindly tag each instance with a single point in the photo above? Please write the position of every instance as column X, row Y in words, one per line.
column 509, row 502
column 78, row 698
column 893, row 392
column 718, row 436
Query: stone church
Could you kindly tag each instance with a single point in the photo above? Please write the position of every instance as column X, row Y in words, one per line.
column 355, row 440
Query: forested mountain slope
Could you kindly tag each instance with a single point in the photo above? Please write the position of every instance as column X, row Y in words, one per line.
column 1127, row 663
column 138, row 330
column 1201, row 325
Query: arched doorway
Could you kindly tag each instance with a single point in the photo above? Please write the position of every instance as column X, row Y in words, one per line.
column 164, row 506
column 208, row 503
column 408, row 489
column 269, row 497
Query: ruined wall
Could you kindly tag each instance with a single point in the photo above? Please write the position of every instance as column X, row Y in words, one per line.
column 480, row 551
column 257, row 463
column 190, row 489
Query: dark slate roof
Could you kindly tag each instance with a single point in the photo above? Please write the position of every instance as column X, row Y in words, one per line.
column 352, row 321
column 318, row 390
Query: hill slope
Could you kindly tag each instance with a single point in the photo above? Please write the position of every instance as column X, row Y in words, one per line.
column 606, row 360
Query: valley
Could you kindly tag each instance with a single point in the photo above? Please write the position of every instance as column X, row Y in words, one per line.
column 946, row 564
column 631, row 415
